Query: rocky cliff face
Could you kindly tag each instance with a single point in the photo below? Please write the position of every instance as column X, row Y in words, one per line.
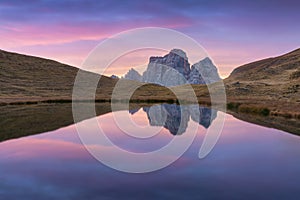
column 170, row 70
column 204, row 72
column 132, row 74
column 174, row 69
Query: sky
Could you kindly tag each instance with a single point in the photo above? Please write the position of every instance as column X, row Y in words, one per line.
column 233, row 32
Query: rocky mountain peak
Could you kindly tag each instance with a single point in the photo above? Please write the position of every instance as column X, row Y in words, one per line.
column 169, row 70
column 132, row 74
column 204, row 72
column 179, row 52
column 114, row 76
column 174, row 69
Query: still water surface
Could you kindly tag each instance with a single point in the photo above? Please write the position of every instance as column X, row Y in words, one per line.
column 249, row 161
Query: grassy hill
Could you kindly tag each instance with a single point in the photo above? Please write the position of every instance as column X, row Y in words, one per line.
column 281, row 69
column 275, row 78
column 27, row 78
column 272, row 83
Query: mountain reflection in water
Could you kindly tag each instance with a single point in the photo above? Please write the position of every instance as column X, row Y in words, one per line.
column 175, row 118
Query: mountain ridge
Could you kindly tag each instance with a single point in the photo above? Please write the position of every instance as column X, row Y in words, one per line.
column 174, row 69
column 285, row 63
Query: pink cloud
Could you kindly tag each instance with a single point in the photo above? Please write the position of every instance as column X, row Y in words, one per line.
column 26, row 34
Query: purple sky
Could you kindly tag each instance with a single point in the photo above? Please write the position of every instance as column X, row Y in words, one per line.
column 233, row 32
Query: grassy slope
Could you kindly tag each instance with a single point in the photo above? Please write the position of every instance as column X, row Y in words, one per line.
column 28, row 78
column 272, row 83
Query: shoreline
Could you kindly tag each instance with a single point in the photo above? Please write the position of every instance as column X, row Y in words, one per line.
column 260, row 107
column 41, row 117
